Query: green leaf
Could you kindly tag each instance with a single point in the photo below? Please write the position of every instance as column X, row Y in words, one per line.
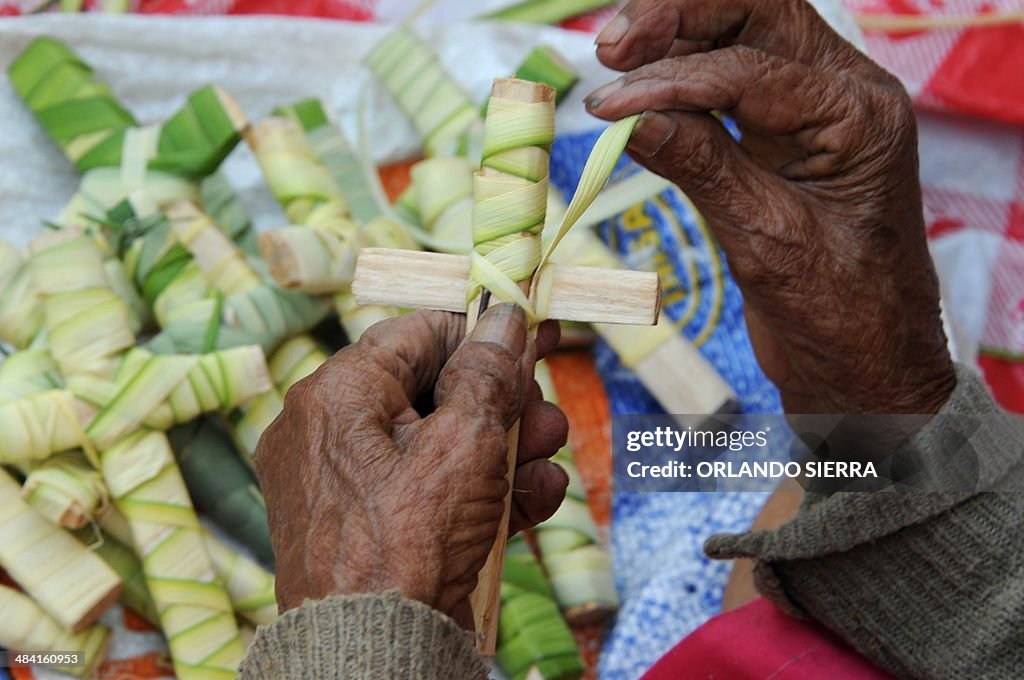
column 548, row 11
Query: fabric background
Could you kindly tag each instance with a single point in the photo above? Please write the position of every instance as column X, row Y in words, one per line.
column 966, row 83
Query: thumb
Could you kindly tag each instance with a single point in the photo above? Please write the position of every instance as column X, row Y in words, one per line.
column 485, row 379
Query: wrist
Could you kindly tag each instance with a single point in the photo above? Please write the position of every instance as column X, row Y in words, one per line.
column 934, row 391
column 411, row 572
column 920, row 389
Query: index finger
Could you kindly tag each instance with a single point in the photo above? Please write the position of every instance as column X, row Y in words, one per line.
column 392, row 364
column 648, row 30
column 414, row 347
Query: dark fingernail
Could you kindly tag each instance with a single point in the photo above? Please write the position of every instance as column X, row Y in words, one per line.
column 594, row 99
column 613, row 32
column 652, row 132
column 503, row 324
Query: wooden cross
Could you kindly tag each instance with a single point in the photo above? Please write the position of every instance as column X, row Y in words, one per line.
column 419, row 280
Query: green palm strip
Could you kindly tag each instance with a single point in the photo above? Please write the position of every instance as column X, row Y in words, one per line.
column 438, row 107
column 548, row 11
column 312, row 197
column 138, row 467
column 532, row 635
column 577, row 564
column 83, row 117
column 508, row 215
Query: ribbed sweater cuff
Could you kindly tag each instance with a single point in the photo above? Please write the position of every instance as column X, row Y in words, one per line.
column 925, row 584
column 363, row 637
column 827, row 524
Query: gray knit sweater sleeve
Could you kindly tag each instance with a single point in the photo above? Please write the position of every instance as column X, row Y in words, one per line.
column 363, row 637
column 928, row 585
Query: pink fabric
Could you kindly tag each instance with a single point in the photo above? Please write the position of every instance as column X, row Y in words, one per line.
column 758, row 642
column 350, row 10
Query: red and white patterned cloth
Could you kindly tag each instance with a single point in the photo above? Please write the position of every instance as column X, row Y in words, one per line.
column 972, row 168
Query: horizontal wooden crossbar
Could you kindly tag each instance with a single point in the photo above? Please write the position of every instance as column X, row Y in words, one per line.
column 419, row 280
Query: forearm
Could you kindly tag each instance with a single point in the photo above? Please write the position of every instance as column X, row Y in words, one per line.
column 363, row 637
column 925, row 584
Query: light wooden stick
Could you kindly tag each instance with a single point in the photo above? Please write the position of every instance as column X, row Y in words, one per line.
column 611, row 298
column 419, row 280
column 898, row 23
column 486, row 598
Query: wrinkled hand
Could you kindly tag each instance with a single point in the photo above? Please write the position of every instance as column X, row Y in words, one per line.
column 818, row 209
column 387, row 467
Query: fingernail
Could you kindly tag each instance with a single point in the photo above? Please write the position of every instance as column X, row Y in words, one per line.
column 613, row 32
column 594, row 99
column 504, row 325
column 652, row 132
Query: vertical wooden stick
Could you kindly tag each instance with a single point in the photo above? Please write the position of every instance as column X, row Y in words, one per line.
column 486, row 599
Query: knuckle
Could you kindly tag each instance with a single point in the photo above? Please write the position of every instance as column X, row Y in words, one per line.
column 776, row 262
column 488, row 358
column 886, row 79
column 419, row 324
column 879, row 130
column 261, row 460
column 341, row 379
column 902, row 111
column 493, row 434
column 353, row 367
column 745, row 55
column 707, row 174
column 308, row 394
column 669, row 68
column 376, row 333
column 300, row 391
column 486, row 374
column 706, row 179
column 743, row 59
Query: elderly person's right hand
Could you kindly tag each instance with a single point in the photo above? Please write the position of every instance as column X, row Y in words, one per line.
column 818, row 209
column 387, row 467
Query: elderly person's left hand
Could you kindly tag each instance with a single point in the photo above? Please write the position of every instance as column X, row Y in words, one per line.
column 817, row 207
column 386, row 469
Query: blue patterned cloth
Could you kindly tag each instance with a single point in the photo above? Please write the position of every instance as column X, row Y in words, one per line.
column 668, row 587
